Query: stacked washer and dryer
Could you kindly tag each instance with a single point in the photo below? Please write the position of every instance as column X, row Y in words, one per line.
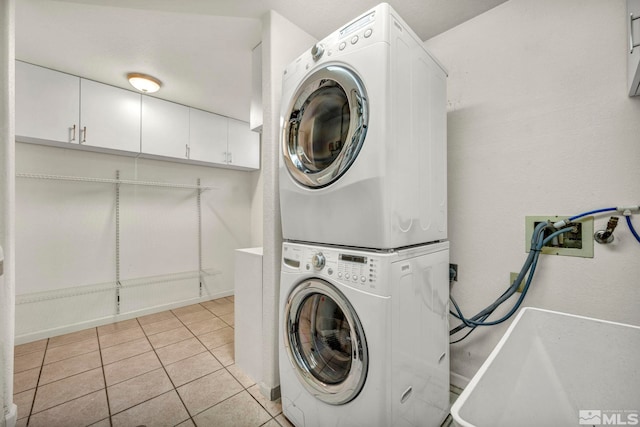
column 364, row 284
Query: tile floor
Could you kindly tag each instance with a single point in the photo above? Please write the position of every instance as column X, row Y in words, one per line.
column 174, row 368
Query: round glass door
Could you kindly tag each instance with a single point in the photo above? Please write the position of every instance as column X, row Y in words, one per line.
column 325, row 342
column 325, row 126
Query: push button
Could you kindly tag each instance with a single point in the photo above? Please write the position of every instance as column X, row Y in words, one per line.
column 342, row 46
column 354, row 39
column 367, row 33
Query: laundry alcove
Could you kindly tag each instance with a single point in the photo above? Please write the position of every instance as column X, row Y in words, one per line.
column 96, row 243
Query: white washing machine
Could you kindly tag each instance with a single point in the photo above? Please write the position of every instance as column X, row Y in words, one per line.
column 363, row 139
column 364, row 338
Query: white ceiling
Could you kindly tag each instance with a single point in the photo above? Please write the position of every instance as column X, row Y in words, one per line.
column 200, row 49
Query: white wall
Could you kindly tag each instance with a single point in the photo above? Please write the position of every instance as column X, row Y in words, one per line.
column 282, row 42
column 65, row 231
column 539, row 123
column 7, row 211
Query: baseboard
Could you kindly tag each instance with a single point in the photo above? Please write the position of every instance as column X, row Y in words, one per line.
column 271, row 393
column 48, row 333
column 458, row 380
column 11, row 418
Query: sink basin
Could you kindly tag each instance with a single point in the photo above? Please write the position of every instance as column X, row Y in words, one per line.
column 556, row 369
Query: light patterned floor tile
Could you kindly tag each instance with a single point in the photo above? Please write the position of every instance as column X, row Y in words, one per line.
column 68, row 367
column 125, row 350
column 21, row 349
column 28, row 361
column 239, row 410
column 130, row 334
column 102, row 423
column 274, row 407
column 205, row 326
column 173, row 336
column 178, row 351
column 26, row 380
column 224, row 354
column 241, row 376
column 83, row 335
column 192, row 368
column 24, row 401
column 209, row 390
column 66, row 351
column 164, row 410
column 112, row 328
column 229, row 319
column 156, row 317
column 162, row 326
column 187, row 309
column 283, row 421
column 82, row 411
column 70, row 388
column 221, row 309
column 197, row 316
column 125, row 369
column 137, row 390
column 217, row 338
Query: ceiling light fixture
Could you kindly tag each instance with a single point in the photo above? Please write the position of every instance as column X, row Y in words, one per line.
column 144, row 83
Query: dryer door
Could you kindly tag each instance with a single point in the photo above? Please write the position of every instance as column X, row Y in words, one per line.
column 325, row 126
column 325, row 342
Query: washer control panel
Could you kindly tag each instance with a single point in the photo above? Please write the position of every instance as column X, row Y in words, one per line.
column 351, row 268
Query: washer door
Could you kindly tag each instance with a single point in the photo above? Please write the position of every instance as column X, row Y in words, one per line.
column 325, row 126
column 325, row 342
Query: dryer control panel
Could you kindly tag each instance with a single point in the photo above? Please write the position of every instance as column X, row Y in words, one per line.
column 356, row 269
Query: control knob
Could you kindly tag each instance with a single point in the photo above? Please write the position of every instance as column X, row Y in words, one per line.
column 318, row 261
column 317, row 51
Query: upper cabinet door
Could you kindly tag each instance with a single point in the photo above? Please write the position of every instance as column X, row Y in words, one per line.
column 165, row 128
column 47, row 104
column 207, row 137
column 109, row 117
column 244, row 145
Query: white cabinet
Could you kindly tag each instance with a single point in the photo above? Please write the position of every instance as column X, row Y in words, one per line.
column 165, row 128
column 55, row 107
column 633, row 22
column 47, row 104
column 207, row 137
column 109, row 117
column 224, row 141
column 243, row 145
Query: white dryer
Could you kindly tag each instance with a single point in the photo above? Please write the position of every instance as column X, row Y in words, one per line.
column 363, row 139
column 364, row 337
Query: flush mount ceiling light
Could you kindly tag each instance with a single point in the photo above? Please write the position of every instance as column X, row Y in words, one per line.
column 144, row 83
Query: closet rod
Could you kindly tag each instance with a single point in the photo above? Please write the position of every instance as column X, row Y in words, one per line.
column 111, row 181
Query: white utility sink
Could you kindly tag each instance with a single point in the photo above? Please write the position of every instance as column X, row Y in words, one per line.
column 556, row 369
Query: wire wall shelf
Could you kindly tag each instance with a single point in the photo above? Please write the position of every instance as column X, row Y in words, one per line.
column 70, row 292
column 121, row 284
column 113, row 181
column 76, row 291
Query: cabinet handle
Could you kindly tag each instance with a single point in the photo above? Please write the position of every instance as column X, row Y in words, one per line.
column 632, row 44
column 230, row 159
column 83, row 132
column 73, row 133
column 186, row 150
